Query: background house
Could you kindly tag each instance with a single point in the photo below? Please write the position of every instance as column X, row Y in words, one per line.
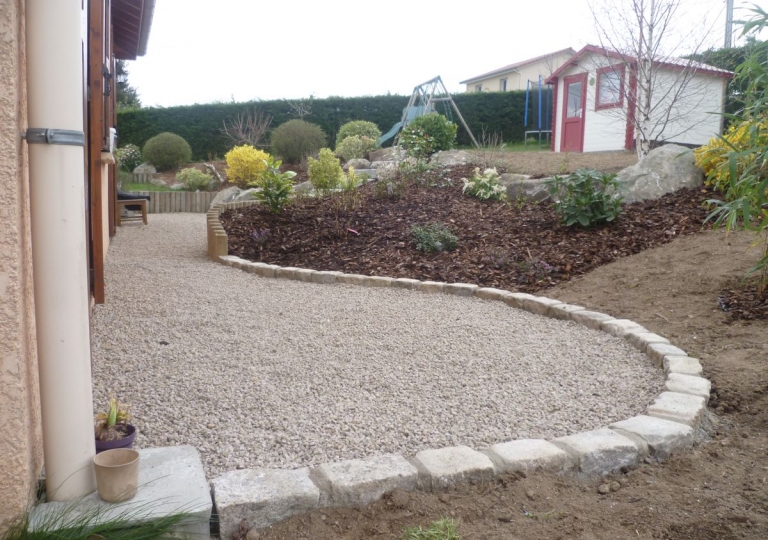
column 595, row 102
column 54, row 75
column 516, row 76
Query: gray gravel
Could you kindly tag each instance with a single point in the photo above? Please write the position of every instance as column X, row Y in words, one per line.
column 260, row 372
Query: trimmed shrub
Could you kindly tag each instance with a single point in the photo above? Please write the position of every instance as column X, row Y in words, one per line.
column 167, row 151
column 586, row 197
column 325, row 173
column 128, row 157
column 355, row 147
column 245, row 165
column 428, row 134
column 434, row 237
column 194, row 180
column 360, row 128
column 296, row 140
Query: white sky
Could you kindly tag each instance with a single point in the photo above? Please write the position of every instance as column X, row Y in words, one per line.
column 202, row 51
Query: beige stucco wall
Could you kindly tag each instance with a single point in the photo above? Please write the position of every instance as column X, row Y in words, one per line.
column 20, row 433
column 517, row 79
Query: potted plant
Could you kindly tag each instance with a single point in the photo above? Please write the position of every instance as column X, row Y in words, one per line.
column 112, row 428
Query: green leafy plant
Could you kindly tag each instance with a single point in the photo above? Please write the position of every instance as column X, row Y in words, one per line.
column 128, row 157
column 355, row 147
column 245, row 165
column 276, row 187
column 325, row 173
column 442, row 529
column 194, row 180
column 586, row 197
column 358, row 128
column 485, row 186
column 433, row 237
column 296, row 140
column 428, row 134
column 111, row 425
column 167, row 151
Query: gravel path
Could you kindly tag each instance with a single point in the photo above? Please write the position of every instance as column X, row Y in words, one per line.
column 260, row 372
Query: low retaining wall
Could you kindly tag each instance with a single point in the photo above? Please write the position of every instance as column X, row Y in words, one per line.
column 163, row 202
column 265, row 496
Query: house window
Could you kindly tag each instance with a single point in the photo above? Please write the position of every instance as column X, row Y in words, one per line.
column 503, row 85
column 479, row 88
column 610, row 87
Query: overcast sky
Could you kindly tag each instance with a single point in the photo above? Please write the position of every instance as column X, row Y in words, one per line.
column 202, row 51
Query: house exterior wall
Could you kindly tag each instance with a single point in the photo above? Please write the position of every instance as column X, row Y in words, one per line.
column 517, row 79
column 20, row 431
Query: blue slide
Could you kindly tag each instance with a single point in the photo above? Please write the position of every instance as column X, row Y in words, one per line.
column 389, row 134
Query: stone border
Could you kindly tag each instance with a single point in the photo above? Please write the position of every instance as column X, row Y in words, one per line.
column 265, row 496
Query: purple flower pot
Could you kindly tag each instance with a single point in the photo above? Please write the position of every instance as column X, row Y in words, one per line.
column 125, row 442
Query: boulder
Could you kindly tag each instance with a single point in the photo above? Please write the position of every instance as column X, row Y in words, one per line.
column 178, row 186
column 665, row 169
column 303, row 187
column 246, row 195
column 377, row 164
column 522, row 186
column 357, row 164
column 226, row 195
column 385, row 154
column 158, row 182
column 145, row 168
column 452, row 157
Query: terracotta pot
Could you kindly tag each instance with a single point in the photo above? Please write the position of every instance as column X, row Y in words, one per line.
column 117, row 474
column 125, row 442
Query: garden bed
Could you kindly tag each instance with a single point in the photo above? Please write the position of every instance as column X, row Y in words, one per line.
column 509, row 246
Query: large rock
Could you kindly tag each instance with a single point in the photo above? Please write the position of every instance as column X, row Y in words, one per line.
column 385, row 154
column 664, row 170
column 452, row 157
column 246, row 195
column 145, row 168
column 226, row 195
column 523, row 187
column 158, row 182
column 357, row 164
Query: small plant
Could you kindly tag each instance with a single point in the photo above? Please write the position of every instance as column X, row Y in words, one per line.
column 296, row 140
column 355, row 147
column 485, row 186
column 276, row 187
column 260, row 235
column 194, row 180
column 128, row 157
column 586, row 197
column 325, row 173
column 359, row 128
column 491, row 152
column 112, row 425
column 428, row 134
column 434, row 237
column 167, row 151
column 442, row 529
column 245, row 165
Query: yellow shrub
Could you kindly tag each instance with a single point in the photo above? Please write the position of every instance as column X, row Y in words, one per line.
column 713, row 157
column 246, row 165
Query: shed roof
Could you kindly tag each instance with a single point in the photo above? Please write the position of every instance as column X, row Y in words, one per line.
column 518, row 65
column 131, row 20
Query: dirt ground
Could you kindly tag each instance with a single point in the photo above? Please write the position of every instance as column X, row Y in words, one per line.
column 717, row 491
column 547, row 163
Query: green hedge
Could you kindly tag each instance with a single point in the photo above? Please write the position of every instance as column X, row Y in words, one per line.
column 200, row 125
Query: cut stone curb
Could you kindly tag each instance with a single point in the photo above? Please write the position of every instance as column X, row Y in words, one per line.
column 325, row 277
column 303, row 274
column 620, row 327
column 351, row 279
column 685, row 365
column 539, row 305
column 663, row 437
column 489, row 293
column 641, row 340
column 590, row 319
column 445, row 467
column 683, row 408
column 600, row 451
column 285, row 272
column 406, row 283
column 261, row 269
column 516, row 299
column 657, row 352
column 262, row 497
column 528, row 455
column 359, row 482
column 563, row 311
column 688, row 384
column 460, row 289
column 431, row 286
column 377, row 281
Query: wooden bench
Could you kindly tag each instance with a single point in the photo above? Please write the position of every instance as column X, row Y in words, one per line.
column 136, row 202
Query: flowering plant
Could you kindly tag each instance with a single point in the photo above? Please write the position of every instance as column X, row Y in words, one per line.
column 485, row 186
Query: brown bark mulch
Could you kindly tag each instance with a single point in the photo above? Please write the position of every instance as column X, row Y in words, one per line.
column 742, row 302
column 509, row 246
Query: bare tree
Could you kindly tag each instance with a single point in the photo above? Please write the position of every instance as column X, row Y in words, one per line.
column 300, row 108
column 665, row 99
column 249, row 127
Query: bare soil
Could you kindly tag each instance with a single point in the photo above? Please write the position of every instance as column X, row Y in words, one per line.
column 546, row 163
column 717, row 491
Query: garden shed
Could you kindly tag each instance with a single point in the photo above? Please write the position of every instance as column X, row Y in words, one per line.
column 596, row 102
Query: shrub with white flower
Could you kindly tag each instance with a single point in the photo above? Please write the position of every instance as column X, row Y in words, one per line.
column 485, row 186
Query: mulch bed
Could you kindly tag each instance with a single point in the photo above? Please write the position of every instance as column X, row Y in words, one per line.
column 742, row 302
column 507, row 246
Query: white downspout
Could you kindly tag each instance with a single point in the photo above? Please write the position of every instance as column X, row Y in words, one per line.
column 57, row 187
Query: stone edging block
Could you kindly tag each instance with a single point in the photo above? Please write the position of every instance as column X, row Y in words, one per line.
column 667, row 427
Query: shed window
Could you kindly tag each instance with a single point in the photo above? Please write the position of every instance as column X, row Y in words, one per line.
column 503, row 85
column 479, row 88
column 610, row 87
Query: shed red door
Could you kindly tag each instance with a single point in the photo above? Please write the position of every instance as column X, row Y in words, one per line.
column 574, row 107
